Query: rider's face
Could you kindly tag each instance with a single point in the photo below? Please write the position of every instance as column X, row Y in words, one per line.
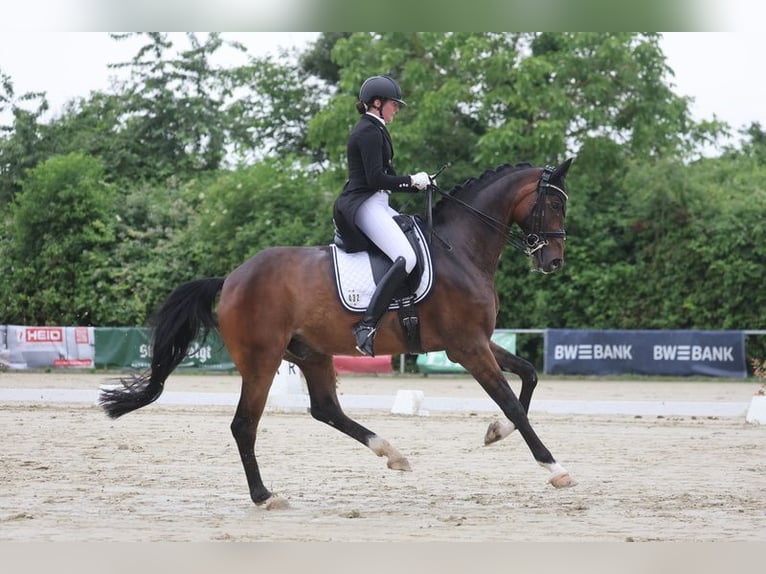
column 389, row 109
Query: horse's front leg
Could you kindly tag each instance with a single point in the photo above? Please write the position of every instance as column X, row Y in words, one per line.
column 483, row 367
column 507, row 361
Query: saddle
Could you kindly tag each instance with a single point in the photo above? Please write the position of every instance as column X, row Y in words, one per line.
column 357, row 272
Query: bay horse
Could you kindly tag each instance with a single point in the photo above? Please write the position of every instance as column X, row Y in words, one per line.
column 282, row 303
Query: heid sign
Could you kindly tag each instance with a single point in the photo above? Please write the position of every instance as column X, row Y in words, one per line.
column 41, row 347
column 712, row 353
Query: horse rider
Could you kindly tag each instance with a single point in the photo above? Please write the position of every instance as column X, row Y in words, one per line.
column 363, row 208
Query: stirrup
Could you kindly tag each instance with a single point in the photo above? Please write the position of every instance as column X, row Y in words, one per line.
column 365, row 335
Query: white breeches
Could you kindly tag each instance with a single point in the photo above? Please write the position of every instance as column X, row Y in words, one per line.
column 375, row 218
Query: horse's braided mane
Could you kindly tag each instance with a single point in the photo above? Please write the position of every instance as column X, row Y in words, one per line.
column 486, row 178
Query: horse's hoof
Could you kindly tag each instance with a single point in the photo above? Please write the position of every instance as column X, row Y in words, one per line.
column 399, row 464
column 498, row 430
column 275, row 503
column 493, row 433
column 562, row 480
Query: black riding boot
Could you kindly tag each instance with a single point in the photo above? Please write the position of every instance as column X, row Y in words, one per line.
column 364, row 331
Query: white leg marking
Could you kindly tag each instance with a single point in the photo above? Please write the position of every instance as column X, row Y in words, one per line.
column 276, row 502
column 559, row 475
column 554, row 468
column 505, row 428
column 498, row 430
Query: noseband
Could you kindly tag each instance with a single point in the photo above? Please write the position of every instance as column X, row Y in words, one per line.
column 527, row 243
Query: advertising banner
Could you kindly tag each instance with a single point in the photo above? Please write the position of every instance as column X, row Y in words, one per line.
column 650, row 352
column 379, row 364
column 40, row 347
column 130, row 347
column 5, row 355
column 23, row 347
column 437, row 362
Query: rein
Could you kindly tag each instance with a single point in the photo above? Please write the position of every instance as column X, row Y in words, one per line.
column 527, row 243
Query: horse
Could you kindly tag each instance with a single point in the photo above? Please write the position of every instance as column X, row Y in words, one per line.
column 282, row 303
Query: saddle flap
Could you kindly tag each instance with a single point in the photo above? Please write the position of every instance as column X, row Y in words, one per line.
column 356, row 274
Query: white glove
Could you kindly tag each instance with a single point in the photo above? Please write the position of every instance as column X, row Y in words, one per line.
column 420, row 180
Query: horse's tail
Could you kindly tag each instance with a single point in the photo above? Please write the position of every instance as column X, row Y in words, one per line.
column 187, row 311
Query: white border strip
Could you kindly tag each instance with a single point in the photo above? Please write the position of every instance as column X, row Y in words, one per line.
column 386, row 402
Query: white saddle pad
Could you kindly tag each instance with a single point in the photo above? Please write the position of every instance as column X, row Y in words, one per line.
column 355, row 282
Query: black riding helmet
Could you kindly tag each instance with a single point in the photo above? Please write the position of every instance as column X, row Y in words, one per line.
column 384, row 87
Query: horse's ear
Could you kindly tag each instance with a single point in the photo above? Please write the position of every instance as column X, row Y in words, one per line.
column 561, row 171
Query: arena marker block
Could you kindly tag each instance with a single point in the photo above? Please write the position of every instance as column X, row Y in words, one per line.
column 756, row 414
column 408, row 402
column 287, row 381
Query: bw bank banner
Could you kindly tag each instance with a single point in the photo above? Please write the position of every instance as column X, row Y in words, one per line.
column 671, row 353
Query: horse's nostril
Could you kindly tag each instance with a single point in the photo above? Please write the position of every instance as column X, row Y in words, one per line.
column 556, row 264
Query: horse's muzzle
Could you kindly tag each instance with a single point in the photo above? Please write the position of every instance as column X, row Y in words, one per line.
column 549, row 266
column 554, row 265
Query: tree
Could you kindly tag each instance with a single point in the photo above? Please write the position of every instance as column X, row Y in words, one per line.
column 275, row 202
column 55, row 250
column 172, row 123
column 754, row 144
column 183, row 115
column 271, row 117
column 317, row 60
column 21, row 143
column 478, row 100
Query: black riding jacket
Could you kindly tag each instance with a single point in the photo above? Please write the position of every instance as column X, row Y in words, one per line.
column 370, row 155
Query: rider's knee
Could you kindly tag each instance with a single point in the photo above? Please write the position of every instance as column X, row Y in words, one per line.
column 410, row 260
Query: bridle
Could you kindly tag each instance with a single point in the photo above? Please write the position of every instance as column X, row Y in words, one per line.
column 538, row 238
column 527, row 243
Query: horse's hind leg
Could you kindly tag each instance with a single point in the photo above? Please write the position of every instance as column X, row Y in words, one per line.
column 325, row 407
column 252, row 401
column 507, row 361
